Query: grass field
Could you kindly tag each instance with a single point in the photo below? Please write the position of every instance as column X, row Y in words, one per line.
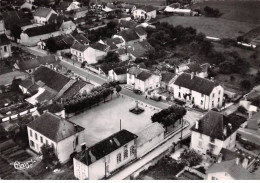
column 215, row 27
column 242, row 11
column 143, row 2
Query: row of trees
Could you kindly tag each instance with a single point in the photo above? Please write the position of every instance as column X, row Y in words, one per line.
column 169, row 116
column 212, row 12
column 96, row 95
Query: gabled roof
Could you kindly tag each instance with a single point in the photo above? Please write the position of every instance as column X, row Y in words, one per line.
column 128, row 35
column 198, row 84
column 13, row 18
column 99, row 46
column 144, row 75
column 42, row 12
column 127, row 24
column 51, row 78
column 40, row 30
column 4, row 40
column 236, row 171
column 105, row 147
column 213, row 124
column 78, row 46
column 54, row 127
column 167, row 77
column 148, row 133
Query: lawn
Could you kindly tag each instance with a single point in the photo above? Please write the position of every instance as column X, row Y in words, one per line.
column 241, row 11
column 104, row 120
column 215, row 27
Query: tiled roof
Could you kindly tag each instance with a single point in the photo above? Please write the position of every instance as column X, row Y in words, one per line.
column 99, row 46
column 78, row 46
column 45, row 96
column 52, row 108
column 127, row 24
column 4, row 40
column 228, row 155
column 140, row 31
column 27, row 83
column 139, row 49
column 167, row 77
column 40, row 30
column 54, row 18
column 42, row 12
column 237, row 172
column 81, row 38
column 105, row 147
column 120, row 70
column 33, row 89
column 148, row 8
column 54, row 127
column 150, row 132
column 134, row 71
column 213, row 124
column 129, row 35
column 198, row 84
column 51, row 78
column 13, row 18
column 144, row 75
column 194, row 67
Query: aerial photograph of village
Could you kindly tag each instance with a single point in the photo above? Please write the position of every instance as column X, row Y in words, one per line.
column 129, row 90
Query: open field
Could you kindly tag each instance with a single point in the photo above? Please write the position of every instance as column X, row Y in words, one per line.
column 144, row 2
column 104, row 120
column 215, row 27
column 242, row 11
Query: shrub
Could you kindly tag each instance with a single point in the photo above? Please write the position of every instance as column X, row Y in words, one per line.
column 190, row 157
column 245, row 84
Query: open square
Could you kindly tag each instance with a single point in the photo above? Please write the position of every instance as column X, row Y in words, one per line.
column 104, row 120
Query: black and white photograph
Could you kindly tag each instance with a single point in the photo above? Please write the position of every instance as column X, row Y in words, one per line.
column 129, row 90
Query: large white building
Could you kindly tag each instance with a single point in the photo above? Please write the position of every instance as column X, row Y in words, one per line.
column 201, row 92
column 100, row 160
column 65, row 136
column 42, row 15
column 213, row 132
column 144, row 12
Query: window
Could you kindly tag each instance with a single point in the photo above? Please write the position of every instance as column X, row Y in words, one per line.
column 47, row 142
column 31, row 143
column 5, row 48
column 212, row 103
column 212, row 140
column 36, row 137
column 201, row 102
column 213, row 178
column 52, row 145
column 132, row 150
column 179, row 95
column 41, row 139
column 218, row 99
column 179, row 87
column 219, row 92
column 77, row 141
column 31, row 133
column 125, row 152
column 118, row 158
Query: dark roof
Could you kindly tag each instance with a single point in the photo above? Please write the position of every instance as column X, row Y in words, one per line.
column 54, row 18
column 140, row 31
column 99, row 46
column 74, row 89
column 13, row 18
column 80, row 38
column 51, row 78
column 4, row 40
column 194, row 67
column 197, row 84
column 139, row 49
column 78, row 46
column 52, row 108
column 105, row 147
column 27, row 83
column 33, row 89
column 213, row 124
column 144, row 75
column 120, row 70
column 128, row 35
column 148, row 8
column 54, row 127
column 127, row 24
column 230, row 155
column 45, row 96
column 64, row 5
column 42, row 12
column 235, row 171
column 167, row 77
column 40, row 30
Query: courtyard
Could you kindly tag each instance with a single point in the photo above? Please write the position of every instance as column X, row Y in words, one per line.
column 104, row 120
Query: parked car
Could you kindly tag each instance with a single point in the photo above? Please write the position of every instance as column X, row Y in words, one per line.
column 139, row 92
column 156, row 98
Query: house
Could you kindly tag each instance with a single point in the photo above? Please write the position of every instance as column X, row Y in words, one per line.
column 5, row 47
column 123, row 54
column 113, row 43
column 29, row 6
column 144, row 12
column 167, row 79
column 91, row 54
column 131, row 36
column 128, row 8
column 73, row 5
column 229, row 170
column 118, row 74
column 78, row 13
column 143, row 80
column 64, row 136
column 29, row 66
column 148, row 138
column 213, row 132
column 124, row 25
column 42, row 15
column 203, row 93
column 29, row 87
column 139, row 50
column 7, row 78
column 199, row 70
column 101, row 159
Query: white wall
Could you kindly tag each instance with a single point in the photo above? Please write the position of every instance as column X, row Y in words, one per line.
column 80, row 170
column 151, row 83
column 5, row 51
column 219, row 176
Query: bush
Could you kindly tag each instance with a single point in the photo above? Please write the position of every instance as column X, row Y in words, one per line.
column 245, row 84
column 211, row 12
column 190, row 157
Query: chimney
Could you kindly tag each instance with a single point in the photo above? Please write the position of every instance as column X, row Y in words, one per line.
column 225, row 131
column 192, row 75
column 220, row 157
column 196, row 125
column 245, row 163
column 237, row 161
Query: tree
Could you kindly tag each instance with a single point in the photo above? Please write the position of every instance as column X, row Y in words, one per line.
column 3, row 133
column 211, row 12
column 245, row 84
column 190, row 157
column 118, row 88
column 111, row 57
column 16, row 32
column 257, row 77
column 51, row 45
column 48, row 155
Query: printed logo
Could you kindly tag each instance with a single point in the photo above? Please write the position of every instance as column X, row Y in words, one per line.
column 23, row 165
